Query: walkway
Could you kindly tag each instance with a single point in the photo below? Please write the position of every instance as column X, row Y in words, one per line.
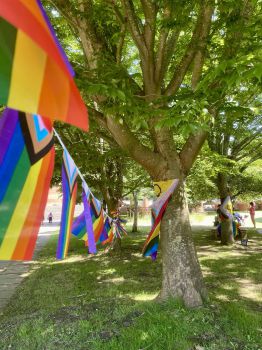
column 13, row 272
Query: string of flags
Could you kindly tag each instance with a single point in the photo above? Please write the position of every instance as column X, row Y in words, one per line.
column 26, row 168
column 93, row 225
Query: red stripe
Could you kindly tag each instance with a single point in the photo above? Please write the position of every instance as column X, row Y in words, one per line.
column 77, row 113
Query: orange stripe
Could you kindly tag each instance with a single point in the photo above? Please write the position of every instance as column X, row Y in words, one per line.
column 54, row 96
column 33, row 7
column 99, row 228
column 32, row 222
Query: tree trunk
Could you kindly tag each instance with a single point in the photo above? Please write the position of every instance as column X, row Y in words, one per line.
column 182, row 276
column 134, row 228
column 226, row 225
column 222, row 185
column 227, row 232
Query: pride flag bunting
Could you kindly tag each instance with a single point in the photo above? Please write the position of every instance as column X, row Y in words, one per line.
column 164, row 191
column 69, row 186
column 35, row 75
column 79, row 228
column 26, row 167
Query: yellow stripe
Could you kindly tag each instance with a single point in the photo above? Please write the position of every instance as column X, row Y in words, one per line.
column 156, row 232
column 68, row 231
column 20, row 213
column 27, row 74
column 96, row 223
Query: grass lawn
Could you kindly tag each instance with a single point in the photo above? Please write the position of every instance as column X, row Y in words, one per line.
column 106, row 301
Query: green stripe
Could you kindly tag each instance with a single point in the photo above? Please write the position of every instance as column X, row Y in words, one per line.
column 7, row 206
column 7, row 49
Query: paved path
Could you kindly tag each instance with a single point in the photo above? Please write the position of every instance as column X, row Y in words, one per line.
column 13, row 272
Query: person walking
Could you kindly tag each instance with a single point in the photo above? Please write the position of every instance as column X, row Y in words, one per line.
column 252, row 213
column 50, row 217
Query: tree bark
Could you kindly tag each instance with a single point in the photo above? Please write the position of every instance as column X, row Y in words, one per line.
column 227, row 232
column 222, row 185
column 134, row 228
column 226, row 225
column 182, row 276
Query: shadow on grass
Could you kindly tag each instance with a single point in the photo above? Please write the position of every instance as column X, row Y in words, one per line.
column 106, row 301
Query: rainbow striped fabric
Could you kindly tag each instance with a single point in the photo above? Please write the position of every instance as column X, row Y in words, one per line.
column 35, row 76
column 79, row 228
column 26, row 167
column 69, row 186
column 108, row 233
column 164, row 190
column 90, row 242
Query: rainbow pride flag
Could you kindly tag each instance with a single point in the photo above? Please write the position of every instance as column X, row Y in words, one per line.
column 107, row 234
column 26, row 167
column 79, row 228
column 164, row 190
column 88, row 220
column 35, row 75
column 69, row 186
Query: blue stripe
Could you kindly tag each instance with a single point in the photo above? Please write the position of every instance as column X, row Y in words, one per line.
column 10, row 160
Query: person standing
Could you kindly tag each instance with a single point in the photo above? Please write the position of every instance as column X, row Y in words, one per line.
column 252, row 213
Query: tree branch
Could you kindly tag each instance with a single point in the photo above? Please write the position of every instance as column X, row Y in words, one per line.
column 150, row 160
column 200, row 54
column 244, row 143
column 191, row 149
column 134, row 25
column 200, row 32
column 252, row 160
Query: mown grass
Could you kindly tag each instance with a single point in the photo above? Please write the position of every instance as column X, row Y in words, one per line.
column 107, row 301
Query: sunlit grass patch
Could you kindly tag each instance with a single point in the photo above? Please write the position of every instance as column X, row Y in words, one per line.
column 107, row 301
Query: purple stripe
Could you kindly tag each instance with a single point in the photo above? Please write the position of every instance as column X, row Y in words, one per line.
column 154, row 255
column 62, row 52
column 7, row 122
column 89, row 225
